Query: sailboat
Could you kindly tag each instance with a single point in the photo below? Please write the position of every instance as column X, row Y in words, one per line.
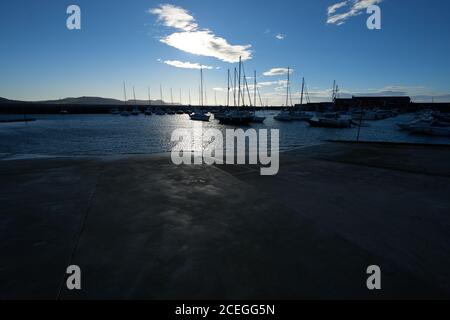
column 256, row 119
column 135, row 111
column 238, row 117
column 125, row 112
column 285, row 115
column 331, row 119
column 299, row 114
column 148, row 111
column 200, row 116
column 180, row 111
column 170, row 110
column 223, row 112
column 160, row 111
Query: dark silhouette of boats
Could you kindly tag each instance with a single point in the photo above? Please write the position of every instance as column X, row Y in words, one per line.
column 237, row 116
column 17, row 120
column 200, row 115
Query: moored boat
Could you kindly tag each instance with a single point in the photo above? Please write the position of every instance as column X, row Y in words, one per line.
column 435, row 128
column 331, row 120
column 258, row 119
column 284, row 116
column 135, row 111
column 299, row 115
column 236, row 117
column 114, row 111
column 199, row 116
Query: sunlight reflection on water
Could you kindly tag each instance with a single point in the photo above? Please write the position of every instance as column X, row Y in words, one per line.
column 112, row 134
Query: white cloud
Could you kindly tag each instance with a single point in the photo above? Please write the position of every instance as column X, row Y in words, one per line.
column 205, row 43
column 364, row 4
column 332, row 9
column 280, row 36
column 273, row 83
column 352, row 8
column 175, row 17
column 192, row 39
column 277, row 72
column 186, row 65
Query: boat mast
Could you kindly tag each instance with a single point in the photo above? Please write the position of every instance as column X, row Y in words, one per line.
column 239, row 83
column 254, row 89
column 248, row 90
column 201, row 86
column 228, row 90
column 334, row 88
column 134, row 96
column 149, row 97
column 125, row 93
column 303, row 90
column 287, row 86
column 245, row 84
column 260, row 99
column 234, row 86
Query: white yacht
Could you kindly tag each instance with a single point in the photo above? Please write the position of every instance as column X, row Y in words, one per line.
column 331, row 120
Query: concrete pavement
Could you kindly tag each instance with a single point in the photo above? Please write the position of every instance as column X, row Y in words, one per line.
column 140, row 227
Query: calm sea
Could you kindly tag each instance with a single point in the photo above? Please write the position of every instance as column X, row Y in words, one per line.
column 62, row 135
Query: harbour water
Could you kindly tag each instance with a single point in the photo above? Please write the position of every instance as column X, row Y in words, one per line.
column 86, row 135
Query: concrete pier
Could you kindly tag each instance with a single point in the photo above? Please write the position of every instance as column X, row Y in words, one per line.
column 141, row 227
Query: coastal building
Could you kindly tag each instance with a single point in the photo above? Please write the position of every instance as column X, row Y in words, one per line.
column 382, row 102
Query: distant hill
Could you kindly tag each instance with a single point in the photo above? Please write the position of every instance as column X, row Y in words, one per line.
column 4, row 101
column 85, row 101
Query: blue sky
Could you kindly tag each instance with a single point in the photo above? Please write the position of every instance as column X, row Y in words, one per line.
column 144, row 43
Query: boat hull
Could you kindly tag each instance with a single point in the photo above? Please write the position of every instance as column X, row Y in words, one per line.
column 431, row 131
column 258, row 119
column 199, row 117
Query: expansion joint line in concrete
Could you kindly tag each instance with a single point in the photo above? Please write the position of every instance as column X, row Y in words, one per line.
column 80, row 232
